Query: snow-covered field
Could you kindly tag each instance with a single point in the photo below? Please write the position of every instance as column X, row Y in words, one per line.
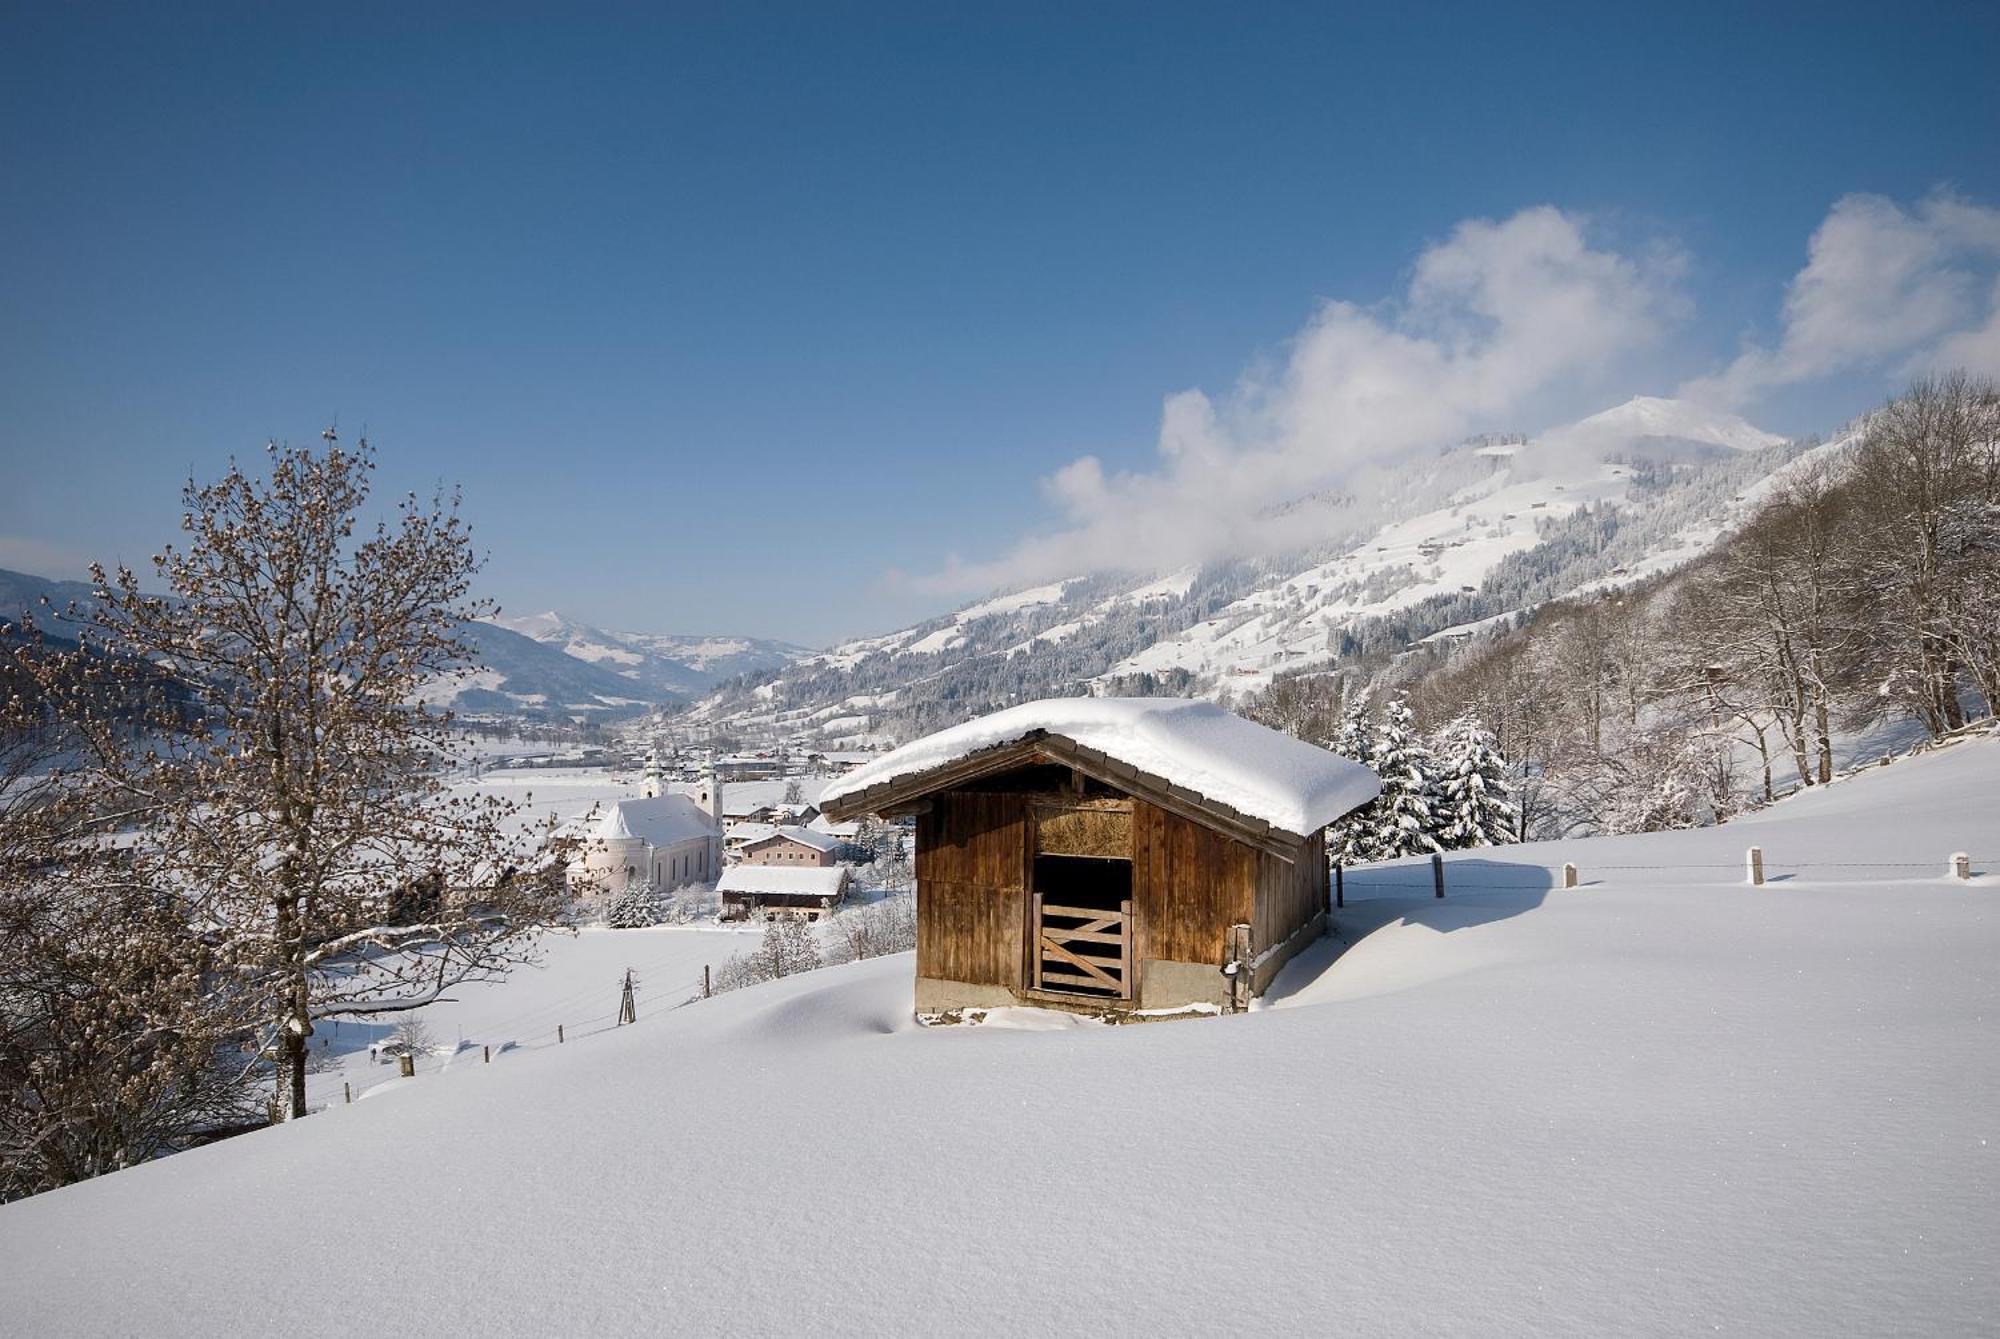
column 576, row 982
column 1662, row 1102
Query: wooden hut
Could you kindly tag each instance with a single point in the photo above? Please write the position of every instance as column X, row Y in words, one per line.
column 1110, row 854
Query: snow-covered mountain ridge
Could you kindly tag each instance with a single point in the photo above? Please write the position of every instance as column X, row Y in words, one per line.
column 1478, row 530
column 657, row 665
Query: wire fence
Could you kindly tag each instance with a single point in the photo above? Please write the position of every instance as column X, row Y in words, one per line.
column 549, row 1024
column 1493, row 875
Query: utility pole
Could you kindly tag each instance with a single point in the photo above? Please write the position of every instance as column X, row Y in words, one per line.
column 628, row 1008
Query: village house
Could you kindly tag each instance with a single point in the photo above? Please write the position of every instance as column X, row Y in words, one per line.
column 770, row 891
column 1110, row 854
column 792, row 846
column 736, row 836
column 668, row 838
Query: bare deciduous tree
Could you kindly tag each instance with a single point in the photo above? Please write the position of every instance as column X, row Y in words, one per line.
column 299, row 814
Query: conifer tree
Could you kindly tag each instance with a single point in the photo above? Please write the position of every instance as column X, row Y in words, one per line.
column 1352, row 841
column 635, row 906
column 1475, row 799
column 1401, row 821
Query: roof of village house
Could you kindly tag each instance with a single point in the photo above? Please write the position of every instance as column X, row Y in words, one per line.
column 658, row 820
column 1197, row 747
column 767, row 880
column 850, row 828
column 818, row 841
column 742, row 834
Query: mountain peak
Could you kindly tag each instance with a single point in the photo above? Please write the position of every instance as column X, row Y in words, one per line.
column 1679, row 420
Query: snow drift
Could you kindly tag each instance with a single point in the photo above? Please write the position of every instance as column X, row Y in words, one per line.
column 1660, row 1102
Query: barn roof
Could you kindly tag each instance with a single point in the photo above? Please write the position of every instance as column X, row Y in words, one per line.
column 768, row 880
column 1192, row 750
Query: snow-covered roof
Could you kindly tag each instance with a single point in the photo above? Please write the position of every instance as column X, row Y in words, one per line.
column 765, row 880
column 745, row 833
column 850, row 828
column 818, row 841
column 1221, row 757
column 658, row 820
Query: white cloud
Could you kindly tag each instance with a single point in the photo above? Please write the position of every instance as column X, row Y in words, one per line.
column 1883, row 289
column 1494, row 316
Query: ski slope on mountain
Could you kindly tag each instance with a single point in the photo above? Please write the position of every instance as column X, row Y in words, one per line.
column 1662, row 1102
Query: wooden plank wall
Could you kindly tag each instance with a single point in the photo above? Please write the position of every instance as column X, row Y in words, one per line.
column 1288, row 895
column 1189, row 885
column 971, row 876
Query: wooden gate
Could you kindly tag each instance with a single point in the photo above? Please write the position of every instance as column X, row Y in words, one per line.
column 1081, row 951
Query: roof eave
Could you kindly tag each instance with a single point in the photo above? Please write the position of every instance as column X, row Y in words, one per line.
column 903, row 792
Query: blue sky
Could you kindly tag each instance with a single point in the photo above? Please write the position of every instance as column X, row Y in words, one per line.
column 779, row 321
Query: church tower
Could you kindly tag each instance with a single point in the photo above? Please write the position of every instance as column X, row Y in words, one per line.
column 655, row 782
column 709, row 799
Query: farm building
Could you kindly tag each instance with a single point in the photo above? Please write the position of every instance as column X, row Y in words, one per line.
column 792, row 846
column 811, row 891
column 1110, row 854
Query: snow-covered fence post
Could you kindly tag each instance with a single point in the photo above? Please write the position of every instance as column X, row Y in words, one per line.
column 1238, row 970
column 1569, row 874
column 1437, row 873
column 1754, row 857
column 1961, row 865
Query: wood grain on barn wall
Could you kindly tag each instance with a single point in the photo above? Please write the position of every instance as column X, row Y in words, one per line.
column 971, row 867
column 1289, row 895
column 1189, row 885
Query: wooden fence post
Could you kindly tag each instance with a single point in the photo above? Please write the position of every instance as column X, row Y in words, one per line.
column 1961, row 865
column 488, row 1052
column 1437, row 873
column 559, row 1034
column 1569, row 874
column 704, row 981
column 1239, row 961
column 347, row 1091
column 1755, row 859
column 1339, row 886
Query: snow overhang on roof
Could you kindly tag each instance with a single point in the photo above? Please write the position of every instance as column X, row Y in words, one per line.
column 1192, row 754
column 759, row 880
column 818, row 841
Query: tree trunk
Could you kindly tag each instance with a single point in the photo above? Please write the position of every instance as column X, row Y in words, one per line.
column 1822, row 726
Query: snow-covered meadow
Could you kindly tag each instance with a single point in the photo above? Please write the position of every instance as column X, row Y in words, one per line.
column 1661, row 1102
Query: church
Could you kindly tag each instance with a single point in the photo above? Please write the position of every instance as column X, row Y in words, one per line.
column 663, row 836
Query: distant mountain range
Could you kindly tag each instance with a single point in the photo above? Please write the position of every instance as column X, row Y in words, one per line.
column 544, row 665
column 653, row 663
column 1432, row 548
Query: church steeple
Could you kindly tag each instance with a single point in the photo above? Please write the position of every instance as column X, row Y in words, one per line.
column 655, row 783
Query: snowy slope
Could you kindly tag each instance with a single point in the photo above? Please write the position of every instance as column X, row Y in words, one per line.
column 1430, row 537
column 1660, row 1103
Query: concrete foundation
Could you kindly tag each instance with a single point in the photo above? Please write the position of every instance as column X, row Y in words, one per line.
column 936, row 996
column 1163, row 985
column 1268, row 969
column 1176, row 985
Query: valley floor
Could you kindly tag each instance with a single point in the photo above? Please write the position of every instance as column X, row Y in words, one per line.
column 1657, row 1103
